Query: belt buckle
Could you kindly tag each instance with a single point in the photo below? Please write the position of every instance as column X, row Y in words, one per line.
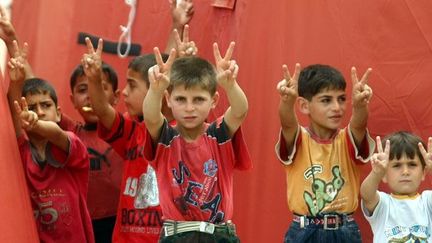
column 207, row 227
column 328, row 217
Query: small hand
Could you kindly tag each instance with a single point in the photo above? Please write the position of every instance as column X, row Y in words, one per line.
column 184, row 46
column 92, row 60
column 28, row 118
column 18, row 62
column 159, row 73
column 182, row 13
column 362, row 93
column 7, row 31
column 226, row 69
column 427, row 155
column 380, row 160
column 288, row 87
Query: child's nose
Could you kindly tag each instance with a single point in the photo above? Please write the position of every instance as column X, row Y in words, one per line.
column 190, row 106
column 124, row 92
column 39, row 111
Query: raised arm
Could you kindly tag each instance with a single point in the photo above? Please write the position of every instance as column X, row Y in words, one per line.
column 227, row 71
column 369, row 187
column 17, row 74
column 159, row 82
column 427, row 155
column 181, row 13
column 7, row 31
column 92, row 64
column 361, row 95
column 47, row 129
column 288, row 91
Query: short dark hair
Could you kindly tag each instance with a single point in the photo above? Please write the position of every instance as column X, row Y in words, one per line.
column 192, row 71
column 34, row 86
column 316, row 78
column 404, row 143
column 106, row 68
column 142, row 64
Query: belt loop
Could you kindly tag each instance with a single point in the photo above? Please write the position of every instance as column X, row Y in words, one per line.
column 302, row 222
column 175, row 227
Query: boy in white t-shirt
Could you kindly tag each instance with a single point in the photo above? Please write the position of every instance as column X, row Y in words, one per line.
column 404, row 215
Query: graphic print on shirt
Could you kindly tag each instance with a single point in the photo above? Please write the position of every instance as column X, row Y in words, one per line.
column 198, row 194
column 416, row 233
column 143, row 189
column 322, row 193
column 96, row 158
column 53, row 207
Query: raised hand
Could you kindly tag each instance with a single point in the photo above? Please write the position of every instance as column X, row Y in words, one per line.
column 226, row 69
column 184, row 46
column 27, row 118
column 18, row 62
column 159, row 73
column 182, row 12
column 380, row 160
column 288, row 87
column 92, row 60
column 427, row 155
column 7, row 31
column 362, row 93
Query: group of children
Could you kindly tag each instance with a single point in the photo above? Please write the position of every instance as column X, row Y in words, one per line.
column 162, row 173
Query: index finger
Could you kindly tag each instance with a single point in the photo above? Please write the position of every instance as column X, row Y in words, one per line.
column 2, row 12
column 177, row 38
column 229, row 51
column 354, row 77
column 99, row 47
column 379, row 144
column 216, row 52
column 89, row 44
column 186, row 33
column 366, row 76
column 171, row 58
column 286, row 73
column 296, row 72
column 158, row 56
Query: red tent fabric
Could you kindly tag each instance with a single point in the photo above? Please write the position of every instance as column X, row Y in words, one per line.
column 392, row 37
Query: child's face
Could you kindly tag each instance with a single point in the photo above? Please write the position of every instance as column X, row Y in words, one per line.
column 134, row 92
column 80, row 97
column 190, row 107
column 326, row 109
column 404, row 175
column 43, row 106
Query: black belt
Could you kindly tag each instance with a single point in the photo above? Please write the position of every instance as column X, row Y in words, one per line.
column 326, row 221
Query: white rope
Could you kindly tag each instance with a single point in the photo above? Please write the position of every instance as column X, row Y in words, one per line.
column 127, row 31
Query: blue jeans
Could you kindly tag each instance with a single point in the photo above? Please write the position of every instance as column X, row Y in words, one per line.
column 347, row 233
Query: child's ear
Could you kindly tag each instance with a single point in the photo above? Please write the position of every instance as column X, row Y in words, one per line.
column 116, row 97
column 167, row 98
column 215, row 99
column 384, row 179
column 303, row 105
column 423, row 174
column 58, row 112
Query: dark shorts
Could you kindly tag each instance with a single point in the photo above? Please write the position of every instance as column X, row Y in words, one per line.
column 103, row 229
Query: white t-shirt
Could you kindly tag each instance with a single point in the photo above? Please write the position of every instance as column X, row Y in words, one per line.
column 397, row 219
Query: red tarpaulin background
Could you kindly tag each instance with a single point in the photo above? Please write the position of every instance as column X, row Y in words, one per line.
column 393, row 37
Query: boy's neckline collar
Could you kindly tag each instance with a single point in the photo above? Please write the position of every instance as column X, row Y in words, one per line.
column 404, row 196
column 315, row 137
column 90, row 126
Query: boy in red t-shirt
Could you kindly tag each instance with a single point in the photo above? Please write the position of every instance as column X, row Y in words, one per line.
column 106, row 165
column 139, row 214
column 55, row 162
column 194, row 160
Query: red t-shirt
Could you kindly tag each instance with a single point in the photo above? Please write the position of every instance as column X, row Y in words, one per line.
column 196, row 178
column 58, row 191
column 139, row 214
column 105, row 170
